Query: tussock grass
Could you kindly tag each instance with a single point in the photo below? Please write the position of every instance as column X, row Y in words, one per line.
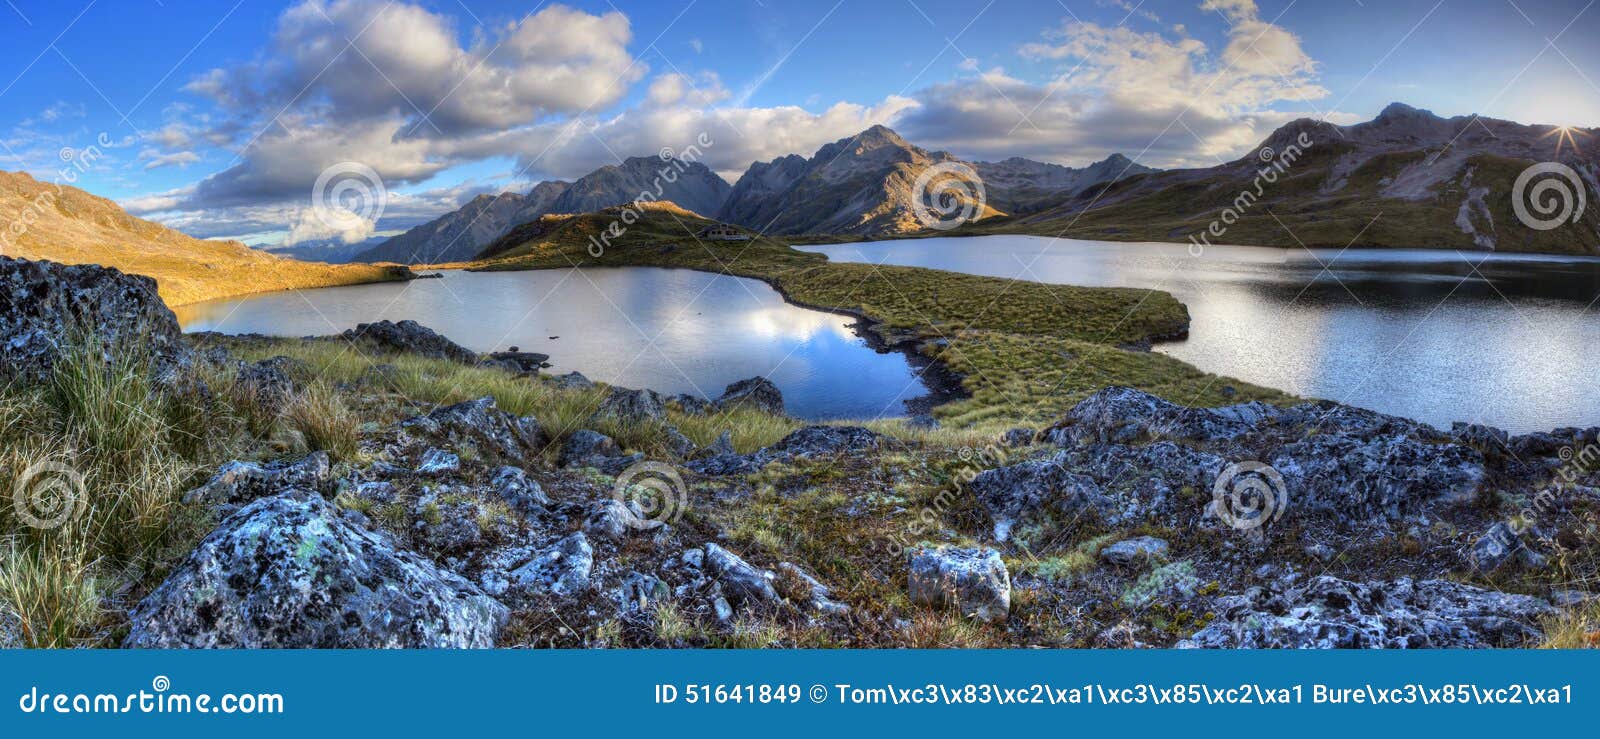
column 1576, row 628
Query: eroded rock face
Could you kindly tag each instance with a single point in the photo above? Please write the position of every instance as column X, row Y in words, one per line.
column 1377, row 478
column 41, row 303
column 973, row 580
column 288, row 571
column 1122, row 415
column 410, row 337
column 756, row 392
column 1330, row 613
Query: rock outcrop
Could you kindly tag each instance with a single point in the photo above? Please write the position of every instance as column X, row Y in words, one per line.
column 43, row 305
column 409, row 337
column 289, row 572
column 757, row 392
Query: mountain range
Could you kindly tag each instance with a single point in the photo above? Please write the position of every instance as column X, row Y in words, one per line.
column 1406, row 179
column 862, row 185
column 67, row 225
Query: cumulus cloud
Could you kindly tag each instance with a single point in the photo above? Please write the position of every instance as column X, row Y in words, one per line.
column 1168, row 100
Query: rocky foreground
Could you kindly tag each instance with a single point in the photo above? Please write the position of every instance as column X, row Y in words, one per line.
column 1130, row 522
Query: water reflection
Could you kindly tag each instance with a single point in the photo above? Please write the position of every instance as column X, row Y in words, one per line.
column 1439, row 336
column 675, row 331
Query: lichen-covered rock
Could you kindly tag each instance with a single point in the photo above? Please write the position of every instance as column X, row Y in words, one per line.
column 562, row 569
column 479, row 425
column 693, row 404
column 614, row 520
column 1123, row 415
column 972, row 580
column 438, row 461
column 42, row 303
column 522, row 493
column 1139, row 549
column 1012, row 493
column 409, row 337
column 798, row 586
column 288, row 571
column 584, row 446
column 1495, row 548
column 1379, row 478
column 757, row 392
column 744, row 582
column 816, row 441
column 1329, row 613
column 632, row 406
column 273, row 381
column 241, row 482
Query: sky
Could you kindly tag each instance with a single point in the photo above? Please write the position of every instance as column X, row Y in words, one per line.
column 220, row 117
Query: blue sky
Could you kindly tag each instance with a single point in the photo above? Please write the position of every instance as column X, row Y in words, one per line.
column 218, row 117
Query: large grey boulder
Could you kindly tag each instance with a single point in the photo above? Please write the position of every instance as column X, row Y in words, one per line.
column 289, row 572
column 972, row 580
column 562, row 569
column 757, row 392
column 409, row 337
column 43, row 303
column 482, row 426
column 1328, row 613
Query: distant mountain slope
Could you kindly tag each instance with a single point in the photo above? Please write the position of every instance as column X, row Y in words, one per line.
column 67, row 225
column 858, row 185
column 691, row 185
column 458, row 234
column 1407, row 178
column 662, row 221
column 1018, row 185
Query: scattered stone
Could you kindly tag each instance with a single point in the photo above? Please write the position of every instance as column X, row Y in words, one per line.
column 561, row 570
column 1499, row 545
column 376, row 492
column 1330, row 613
column 43, row 303
column 571, row 381
column 798, row 586
column 437, row 462
column 1017, row 437
column 632, row 406
column 757, row 392
column 271, row 382
column 1137, row 550
column 409, row 337
column 584, row 446
column 745, row 582
column 612, row 519
column 241, row 482
column 816, row 441
column 723, row 445
column 1320, row 552
column 679, row 445
column 639, row 590
column 522, row 493
column 480, row 425
column 515, row 362
column 972, row 580
column 289, row 572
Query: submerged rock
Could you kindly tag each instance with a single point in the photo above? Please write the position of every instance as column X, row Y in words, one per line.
column 972, row 580
column 289, row 572
column 409, row 337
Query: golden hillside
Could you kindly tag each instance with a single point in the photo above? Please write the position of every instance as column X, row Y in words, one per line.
column 40, row 220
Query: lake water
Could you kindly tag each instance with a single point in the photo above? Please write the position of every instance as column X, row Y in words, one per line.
column 1504, row 339
column 673, row 331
